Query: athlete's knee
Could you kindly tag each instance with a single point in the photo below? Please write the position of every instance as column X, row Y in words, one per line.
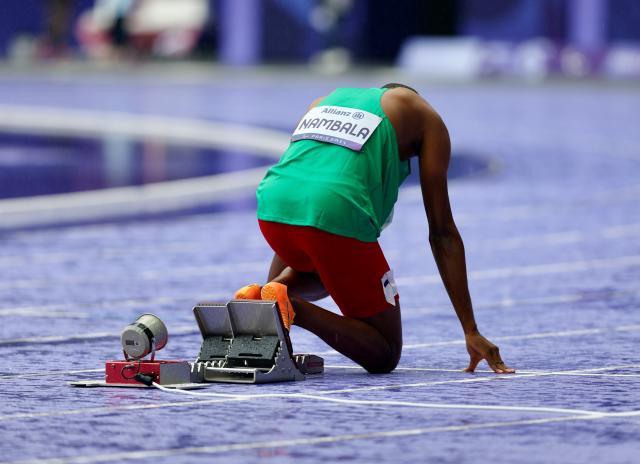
column 387, row 361
column 384, row 366
column 389, row 350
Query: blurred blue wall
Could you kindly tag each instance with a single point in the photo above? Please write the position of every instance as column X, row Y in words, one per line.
column 525, row 19
column 18, row 18
column 514, row 19
column 624, row 20
column 375, row 29
column 29, row 17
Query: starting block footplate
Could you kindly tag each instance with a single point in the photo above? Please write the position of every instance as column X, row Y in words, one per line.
column 244, row 341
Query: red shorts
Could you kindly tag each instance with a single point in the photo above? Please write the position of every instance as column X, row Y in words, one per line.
column 355, row 273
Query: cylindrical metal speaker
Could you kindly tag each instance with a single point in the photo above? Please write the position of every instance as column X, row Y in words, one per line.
column 146, row 335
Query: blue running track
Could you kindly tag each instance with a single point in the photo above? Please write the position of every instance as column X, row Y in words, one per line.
column 547, row 197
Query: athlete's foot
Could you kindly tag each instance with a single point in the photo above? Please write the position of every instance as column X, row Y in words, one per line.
column 274, row 291
column 248, row 292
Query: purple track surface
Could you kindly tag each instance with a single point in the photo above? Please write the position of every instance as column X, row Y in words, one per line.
column 552, row 236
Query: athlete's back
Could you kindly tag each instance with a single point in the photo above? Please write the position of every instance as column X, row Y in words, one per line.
column 326, row 180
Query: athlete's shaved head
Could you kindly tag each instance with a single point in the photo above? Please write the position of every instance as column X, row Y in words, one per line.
column 395, row 85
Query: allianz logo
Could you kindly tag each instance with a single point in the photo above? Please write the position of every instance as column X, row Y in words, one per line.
column 355, row 115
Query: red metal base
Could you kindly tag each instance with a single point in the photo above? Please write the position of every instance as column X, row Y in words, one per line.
column 164, row 372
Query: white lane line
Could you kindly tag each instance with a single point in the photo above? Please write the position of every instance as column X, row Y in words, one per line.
column 355, row 367
column 493, row 377
column 532, row 270
column 380, row 402
column 194, row 132
column 420, row 369
column 468, row 407
column 37, row 258
column 630, row 191
column 198, row 221
column 53, row 310
column 235, row 397
column 629, row 230
column 189, row 330
column 126, row 250
column 496, row 213
column 117, row 304
column 293, row 442
column 145, row 275
column 628, row 328
column 601, row 375
column 334, row 366
column 506, row 303
column 160, row 197
column 109, row 410
column 47, row 373
column 559, row 238
column 179, row 330
column 254, row 266
column 485, row 371
column 214, row 269
column 533, row 336
column 555, row 238
column 43, row 313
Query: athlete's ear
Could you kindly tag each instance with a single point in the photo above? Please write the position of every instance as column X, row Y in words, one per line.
column 395, row 85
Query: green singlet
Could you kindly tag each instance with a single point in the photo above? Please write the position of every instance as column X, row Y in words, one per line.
column 334, row 188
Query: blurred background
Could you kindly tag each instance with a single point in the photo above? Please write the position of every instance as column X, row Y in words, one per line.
column 133, row 134
column 99, row 94
column 530, row 38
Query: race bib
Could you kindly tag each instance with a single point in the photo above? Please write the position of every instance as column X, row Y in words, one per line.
column 347, row 127
column 389, row 287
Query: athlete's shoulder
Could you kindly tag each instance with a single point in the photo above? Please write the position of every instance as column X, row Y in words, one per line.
column 408, row 99
column 407, row 110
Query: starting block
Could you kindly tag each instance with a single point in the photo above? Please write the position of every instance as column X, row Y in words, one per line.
column 244, row 341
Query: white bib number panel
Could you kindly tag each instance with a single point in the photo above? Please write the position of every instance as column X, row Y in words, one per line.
column 347, row 127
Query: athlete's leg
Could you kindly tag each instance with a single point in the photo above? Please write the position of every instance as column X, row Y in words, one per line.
column 370, row 333
column 374, row 342
column 306, row 285
column 277, row 266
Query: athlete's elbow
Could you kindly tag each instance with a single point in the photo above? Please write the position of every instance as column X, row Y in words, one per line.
column 444, row 237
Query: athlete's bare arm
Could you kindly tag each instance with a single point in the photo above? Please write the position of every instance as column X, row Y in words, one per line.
column 446, row 244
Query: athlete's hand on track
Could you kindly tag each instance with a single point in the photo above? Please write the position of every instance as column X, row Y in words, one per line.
column 480, row 348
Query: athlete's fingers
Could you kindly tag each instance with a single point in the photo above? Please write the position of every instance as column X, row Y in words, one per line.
column 494, row 360
column 505, row 369
column 500, row 367
column 473, row 363
column 496, row 367
column 499, row 363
